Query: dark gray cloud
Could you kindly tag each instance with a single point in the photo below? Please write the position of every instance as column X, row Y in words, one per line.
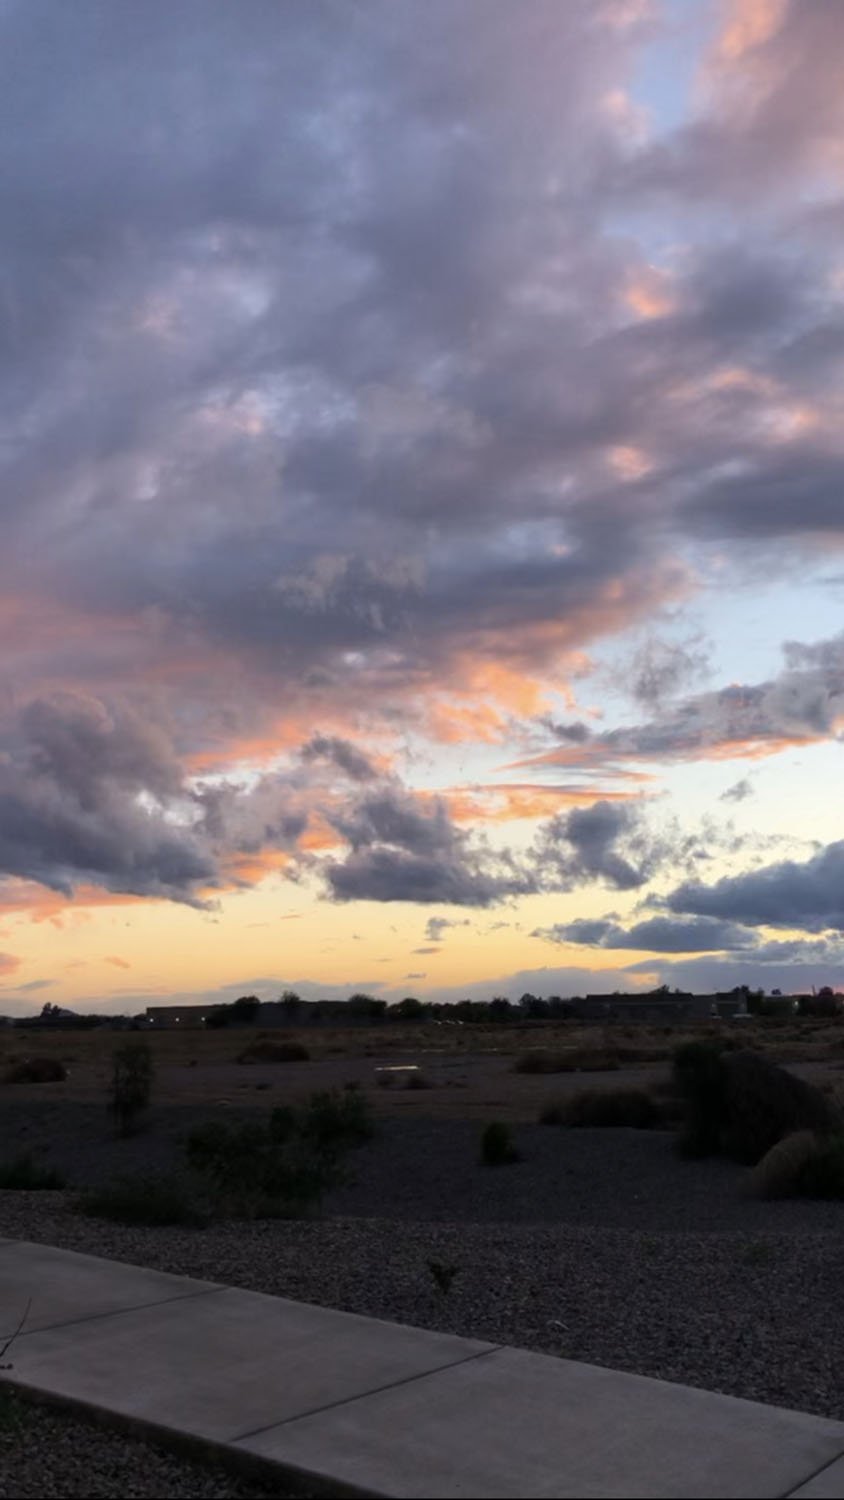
column 807, row 895
column 805, row 701
column 739, row 791
column 436, row 926
column 92, row 795
column 344, row 755
column 655, row 934
column 661, row 669
column 319, row 343
column 404, row 849
column 335, row 369
column 608, row 841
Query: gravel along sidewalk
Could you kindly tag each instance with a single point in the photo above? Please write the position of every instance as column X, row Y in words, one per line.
column 46, row 1452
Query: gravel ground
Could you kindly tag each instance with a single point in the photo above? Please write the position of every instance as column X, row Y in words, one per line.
column 429, row 1170
column 48, row 1453
column 755, row 1316
column 599, row 1246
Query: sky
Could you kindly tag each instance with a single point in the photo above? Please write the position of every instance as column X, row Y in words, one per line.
column 422, row 498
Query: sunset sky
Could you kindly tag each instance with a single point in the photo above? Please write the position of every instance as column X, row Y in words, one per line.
column 422, row 551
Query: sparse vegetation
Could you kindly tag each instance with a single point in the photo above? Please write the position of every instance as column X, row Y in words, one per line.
column 443, row 1275
column 131, row 1085
column 614, row 1108
column 338, row 1119
column 497, row 1146
column 36, row 1070
column 139, row 1200
column 262, row 1169
column 23, row 1174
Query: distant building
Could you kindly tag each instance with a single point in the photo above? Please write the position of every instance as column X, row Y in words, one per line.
column 178, row 1017
column 660, row 1008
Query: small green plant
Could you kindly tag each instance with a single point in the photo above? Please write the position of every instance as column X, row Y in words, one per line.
column 23, row 1174
column 497, row 1146
column 37, row 1070
column 131, row 1085
column 150, row 1201
column 443, row 1275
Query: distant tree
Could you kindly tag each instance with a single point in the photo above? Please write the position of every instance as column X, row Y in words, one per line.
column 246, row 1008
column 291, row 1004
column 500, row 1008
column 409, row 1008
column 366, row 1006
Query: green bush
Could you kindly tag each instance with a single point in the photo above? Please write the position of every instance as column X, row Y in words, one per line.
column 822, row 1174
column 260, row 1170
column 338, row 1119
column 23, row 1174
column 497, row 1147
column 150, row 1201
column 131, row 1085
column 699, row 1075
column 765, row 1102
column 802, row 1165
column 37, row 1070
column 614, row 1108
column 269, row 1051
column 741, row 1104
column 778, row 1172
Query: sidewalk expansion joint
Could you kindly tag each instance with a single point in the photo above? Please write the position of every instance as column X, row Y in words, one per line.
column 377, row 1390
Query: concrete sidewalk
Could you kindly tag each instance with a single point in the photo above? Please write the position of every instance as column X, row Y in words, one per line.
column 362, row 1406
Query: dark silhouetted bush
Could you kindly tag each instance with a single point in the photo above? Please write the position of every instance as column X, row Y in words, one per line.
column 764, row 1102
column 613, row 1108
column 262, row 1170
column 131, row 1085
column 336, row 1119
column 152, row 1201
column 802, row 1165
column 269, row 1051
column 699, row 1075
column 37, row 1070
column 742, row 1104
column 23, row 1174
column 497, row 1146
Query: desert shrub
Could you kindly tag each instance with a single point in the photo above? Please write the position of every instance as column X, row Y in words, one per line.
column 778, row 1172
column 24, row 1174
column 270, row 1051
column 338, row 1119
column 37, row 1070
column 613, row 1108
column 764, row 1102
column 497, row 1146
column 822, row 1173
column 262, row 1169
column 699, row 1075
column 131, row 1085
column 151, row 1201
column 741, row 1103
column 802, row 1165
